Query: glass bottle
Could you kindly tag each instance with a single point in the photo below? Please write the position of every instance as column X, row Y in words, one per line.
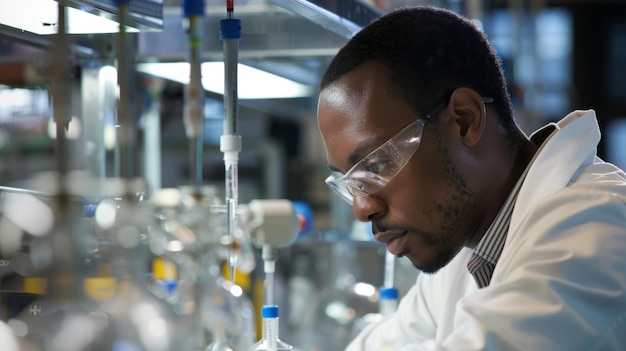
column 388, row 300
column 270, row 340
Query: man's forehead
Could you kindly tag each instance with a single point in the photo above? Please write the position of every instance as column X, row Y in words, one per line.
column 346, row 94
column 357, row 82
column 336, row 93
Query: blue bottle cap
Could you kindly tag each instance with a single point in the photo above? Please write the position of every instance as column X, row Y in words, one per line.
column 230, row 28
column 388, row 293
column 193, row 8
column 89, row 210
column 269, row 311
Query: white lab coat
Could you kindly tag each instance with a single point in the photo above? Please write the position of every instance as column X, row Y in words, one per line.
column 560, row 283
column 8, row 340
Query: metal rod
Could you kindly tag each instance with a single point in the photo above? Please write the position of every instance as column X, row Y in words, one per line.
column 126, row 121
column 60, row 96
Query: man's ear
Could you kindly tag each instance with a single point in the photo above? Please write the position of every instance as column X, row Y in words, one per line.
column 470, row 113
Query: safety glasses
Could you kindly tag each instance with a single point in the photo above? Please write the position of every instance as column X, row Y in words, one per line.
column 376, row 170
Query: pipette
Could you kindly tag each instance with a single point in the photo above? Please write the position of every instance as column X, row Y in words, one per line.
column 230, row 141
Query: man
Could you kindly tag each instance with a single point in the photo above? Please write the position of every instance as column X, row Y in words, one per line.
column 522, row 241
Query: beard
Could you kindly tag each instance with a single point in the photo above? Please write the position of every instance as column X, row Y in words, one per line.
column 448, row 240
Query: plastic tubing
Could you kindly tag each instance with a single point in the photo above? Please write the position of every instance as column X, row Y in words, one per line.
column 269, row 255
column 194, row 92
column 230, row 141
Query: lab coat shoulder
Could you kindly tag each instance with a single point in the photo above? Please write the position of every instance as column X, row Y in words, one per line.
column 565, row 258
column 568, row 191
column 560, row 283
column 566, row 265
column 424, row 313
column 10, row 342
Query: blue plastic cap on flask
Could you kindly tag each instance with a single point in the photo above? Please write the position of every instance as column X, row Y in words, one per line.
column 193, row 7
column 388, row 293
column 89, row 210
column 269, row 311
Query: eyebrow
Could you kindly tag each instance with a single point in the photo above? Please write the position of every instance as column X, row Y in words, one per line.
column 356, row 155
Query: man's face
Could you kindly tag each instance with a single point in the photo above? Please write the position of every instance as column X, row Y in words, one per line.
column 421, row 213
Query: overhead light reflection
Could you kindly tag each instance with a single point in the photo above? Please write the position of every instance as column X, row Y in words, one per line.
column 252, row 83
column 105, row 214
column 364, row 289
column 72, row 131
column 236, row 290
column 21, row 209
column 41, row 16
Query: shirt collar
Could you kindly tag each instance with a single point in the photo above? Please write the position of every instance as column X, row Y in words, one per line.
column 487, row 252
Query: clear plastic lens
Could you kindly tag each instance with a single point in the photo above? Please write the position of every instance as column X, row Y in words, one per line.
column 375, row 170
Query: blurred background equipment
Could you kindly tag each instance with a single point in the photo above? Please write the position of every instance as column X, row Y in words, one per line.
column 161, row 171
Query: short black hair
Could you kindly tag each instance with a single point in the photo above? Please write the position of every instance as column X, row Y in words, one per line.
column 428, row 52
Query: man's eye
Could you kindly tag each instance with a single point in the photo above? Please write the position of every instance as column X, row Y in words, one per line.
column 378, row 166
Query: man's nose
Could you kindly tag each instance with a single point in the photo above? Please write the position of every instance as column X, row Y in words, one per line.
column 366, row 207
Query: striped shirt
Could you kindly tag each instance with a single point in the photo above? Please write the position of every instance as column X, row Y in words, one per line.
column 488, row 250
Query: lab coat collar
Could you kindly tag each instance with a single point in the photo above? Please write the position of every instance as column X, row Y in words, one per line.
column 571, row 145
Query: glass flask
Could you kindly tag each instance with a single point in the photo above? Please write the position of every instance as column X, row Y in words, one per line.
column 188, row 235
column 110, row 309
column 343, row 307
column 228, row 314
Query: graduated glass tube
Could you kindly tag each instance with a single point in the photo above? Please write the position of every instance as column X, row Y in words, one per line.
column 271, row 340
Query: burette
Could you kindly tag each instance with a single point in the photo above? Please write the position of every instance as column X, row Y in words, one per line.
column 230, row 141
column 194, row 93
